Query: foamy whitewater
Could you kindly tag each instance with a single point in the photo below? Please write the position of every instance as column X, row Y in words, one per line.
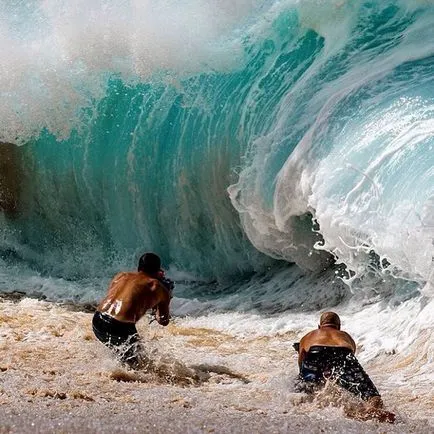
column 278, row 156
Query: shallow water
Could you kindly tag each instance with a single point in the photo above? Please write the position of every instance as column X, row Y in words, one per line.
column 235, row 139
column 56, row 376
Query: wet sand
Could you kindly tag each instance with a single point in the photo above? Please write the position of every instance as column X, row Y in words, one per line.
column 56, row 378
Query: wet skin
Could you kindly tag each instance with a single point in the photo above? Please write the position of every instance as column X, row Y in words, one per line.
column 328, row 336
column 131, row 294
column 332, row 336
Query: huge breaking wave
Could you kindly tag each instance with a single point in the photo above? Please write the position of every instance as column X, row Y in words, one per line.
column 227, row 137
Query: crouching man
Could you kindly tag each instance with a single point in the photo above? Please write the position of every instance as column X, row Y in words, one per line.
column 328, row 354
column 130, row 295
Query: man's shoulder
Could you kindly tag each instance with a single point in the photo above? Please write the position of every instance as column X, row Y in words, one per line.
column 309, row 334
column 145, row 280
column 343, row 333
column 346, row 334
column 124, row 275
column 133, row 277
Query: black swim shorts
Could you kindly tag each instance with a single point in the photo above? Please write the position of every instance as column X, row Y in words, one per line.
column 120, row 336
column 338, row 364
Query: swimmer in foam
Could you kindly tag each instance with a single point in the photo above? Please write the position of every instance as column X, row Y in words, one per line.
column 130, row 295
column 328, row 353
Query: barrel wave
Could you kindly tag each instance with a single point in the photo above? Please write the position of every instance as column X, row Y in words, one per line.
column 230, row 139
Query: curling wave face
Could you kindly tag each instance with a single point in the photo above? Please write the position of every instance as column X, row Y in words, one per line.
column 306, row 126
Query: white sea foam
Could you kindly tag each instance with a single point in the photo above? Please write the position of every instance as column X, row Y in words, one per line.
column 60, row 54
column 355, row 174
column 52, row 362
column 352, row 169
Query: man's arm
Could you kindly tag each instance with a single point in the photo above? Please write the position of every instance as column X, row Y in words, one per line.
column 353, row 344
column 301, row 355
column 162, row 313
column 302, row 349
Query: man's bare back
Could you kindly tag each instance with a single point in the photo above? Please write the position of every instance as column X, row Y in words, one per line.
column 325, row 336
column 328, row 352
column 131, row 294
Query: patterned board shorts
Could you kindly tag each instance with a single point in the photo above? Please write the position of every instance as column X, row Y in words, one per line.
column 338, row 364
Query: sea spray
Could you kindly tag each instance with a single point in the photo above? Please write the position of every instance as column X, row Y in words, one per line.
column 223, row 139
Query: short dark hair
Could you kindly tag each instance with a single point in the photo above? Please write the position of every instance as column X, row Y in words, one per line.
column 330, row 319
column 149, row 263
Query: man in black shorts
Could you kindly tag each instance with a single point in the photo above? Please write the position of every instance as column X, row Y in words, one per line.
column 129, row 296
column 328, row 354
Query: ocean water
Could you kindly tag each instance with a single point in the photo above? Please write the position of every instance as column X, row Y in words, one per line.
column 278, row 156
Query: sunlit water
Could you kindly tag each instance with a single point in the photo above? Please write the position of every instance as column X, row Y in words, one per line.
column 234, row 139
column 52, row 364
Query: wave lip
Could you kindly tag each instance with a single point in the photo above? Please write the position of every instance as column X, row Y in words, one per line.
column 356, row 128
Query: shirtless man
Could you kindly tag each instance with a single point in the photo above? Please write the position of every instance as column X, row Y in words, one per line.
column 129, row 296
column 328, row 353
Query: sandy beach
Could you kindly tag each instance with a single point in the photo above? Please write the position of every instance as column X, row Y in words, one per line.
column 56, row 378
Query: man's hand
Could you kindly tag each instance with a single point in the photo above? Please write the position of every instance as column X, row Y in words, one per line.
column 163, row 319
column 160, row 319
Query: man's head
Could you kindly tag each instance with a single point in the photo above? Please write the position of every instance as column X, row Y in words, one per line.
column 330, row 319
column 149, row 263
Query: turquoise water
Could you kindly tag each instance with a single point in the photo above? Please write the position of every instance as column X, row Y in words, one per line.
column 228, row 138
